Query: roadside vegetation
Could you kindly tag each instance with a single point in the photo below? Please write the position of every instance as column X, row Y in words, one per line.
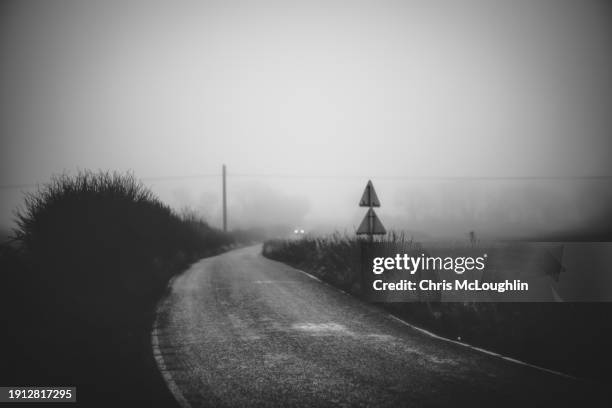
column 90, row 257
column 570, row 337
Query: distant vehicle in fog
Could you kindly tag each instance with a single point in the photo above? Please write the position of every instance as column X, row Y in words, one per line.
column 298, row 233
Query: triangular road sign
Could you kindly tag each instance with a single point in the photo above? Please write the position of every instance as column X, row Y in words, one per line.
column 371, row 225
column 369, row 197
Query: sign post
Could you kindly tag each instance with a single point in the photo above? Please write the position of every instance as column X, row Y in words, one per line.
column 371, row 224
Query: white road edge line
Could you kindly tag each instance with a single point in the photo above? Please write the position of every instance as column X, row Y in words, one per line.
column 161, row 363
column 435, row 336
column 311, row 276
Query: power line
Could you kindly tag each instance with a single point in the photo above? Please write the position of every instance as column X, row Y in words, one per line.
column 182, row 177
column 417, row 178
column 147, row 179
column 342, row 177
column 17, row 186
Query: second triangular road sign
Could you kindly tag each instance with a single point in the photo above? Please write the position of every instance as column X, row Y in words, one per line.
column 371, row 225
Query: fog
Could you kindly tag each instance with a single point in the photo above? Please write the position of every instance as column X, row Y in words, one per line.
column 467, row 115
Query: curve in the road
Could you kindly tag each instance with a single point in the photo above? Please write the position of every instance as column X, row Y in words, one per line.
column 241, row 330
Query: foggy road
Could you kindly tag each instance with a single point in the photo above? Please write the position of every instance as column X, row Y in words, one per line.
column 241, row 330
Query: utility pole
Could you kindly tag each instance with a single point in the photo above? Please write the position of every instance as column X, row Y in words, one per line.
column 224, row 201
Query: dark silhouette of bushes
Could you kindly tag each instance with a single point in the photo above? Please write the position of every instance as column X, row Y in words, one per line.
column 92, row 254
column 101, row 236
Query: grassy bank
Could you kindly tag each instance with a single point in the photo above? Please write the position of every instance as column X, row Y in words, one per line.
column 569, row 337
column 91, row 256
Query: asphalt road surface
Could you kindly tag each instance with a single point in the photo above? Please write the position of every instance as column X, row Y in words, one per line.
column 241, row 330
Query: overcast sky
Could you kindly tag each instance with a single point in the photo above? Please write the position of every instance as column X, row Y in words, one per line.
column 345, row 90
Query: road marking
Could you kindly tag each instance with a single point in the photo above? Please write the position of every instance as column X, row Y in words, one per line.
column 435, row 336
column 310, row 276
column 323, row 282
column 163, row 369
column 510, row 359
column 159, row 358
